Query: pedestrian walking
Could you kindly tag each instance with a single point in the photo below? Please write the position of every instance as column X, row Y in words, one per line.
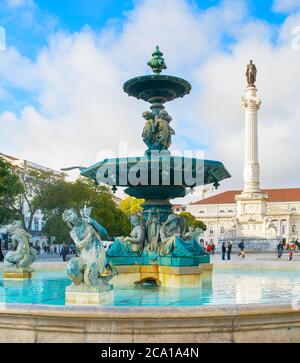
column 208, row 248
column 280, row 249
column 241, row 249
column 223, row 251
column 64, row 252
column 229, row 249
column 297, row 244
column 213, row 248
column 1, row 253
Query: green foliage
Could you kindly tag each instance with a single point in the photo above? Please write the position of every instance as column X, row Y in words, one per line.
column 34, row 183
column 62, row 195
column 192, row 221
column 10, row 189
column 131, row 205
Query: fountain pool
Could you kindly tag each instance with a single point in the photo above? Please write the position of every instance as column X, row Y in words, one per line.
column 227, row 287
column 245, row 302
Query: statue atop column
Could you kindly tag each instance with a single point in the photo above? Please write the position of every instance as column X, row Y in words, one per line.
column 251, row 74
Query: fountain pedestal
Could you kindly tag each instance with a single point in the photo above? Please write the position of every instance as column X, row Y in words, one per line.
column 169, row 276
column 83, row 295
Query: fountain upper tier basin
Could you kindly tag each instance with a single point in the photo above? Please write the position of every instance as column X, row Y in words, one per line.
column 157, row 88
column 163, row 170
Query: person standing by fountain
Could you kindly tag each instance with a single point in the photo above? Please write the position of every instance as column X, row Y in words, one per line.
column 242, row 249
column 1, row 253
column 223, row 251
column 213, row 247
column 64, row 252
column 229, row 249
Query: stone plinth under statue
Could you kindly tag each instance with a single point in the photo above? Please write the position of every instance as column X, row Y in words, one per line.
column 19, row 261
column 83, row 295
column 17, row 275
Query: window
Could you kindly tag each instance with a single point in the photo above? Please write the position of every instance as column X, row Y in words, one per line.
column 201, row 211
column 294, row 209
column 294, row 228
column 230, row 211
column 211, row 230
column 283, row 226
column 222, row 211
column 222, row 230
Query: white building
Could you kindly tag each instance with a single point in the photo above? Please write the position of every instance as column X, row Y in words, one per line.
column 281, row 217
column 260, row 217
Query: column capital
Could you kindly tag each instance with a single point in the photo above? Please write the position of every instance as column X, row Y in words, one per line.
column 251, row 103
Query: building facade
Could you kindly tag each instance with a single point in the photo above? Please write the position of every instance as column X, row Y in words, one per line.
column 261, row 217
column 281, row 217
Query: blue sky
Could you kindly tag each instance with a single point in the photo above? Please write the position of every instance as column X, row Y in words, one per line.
column 29, row 35
column 62, row 72
column 30, row 23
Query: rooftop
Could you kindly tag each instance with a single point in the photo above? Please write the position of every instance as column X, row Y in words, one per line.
column 274, row 195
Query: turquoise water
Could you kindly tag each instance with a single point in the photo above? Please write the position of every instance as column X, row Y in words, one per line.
column 228, row 287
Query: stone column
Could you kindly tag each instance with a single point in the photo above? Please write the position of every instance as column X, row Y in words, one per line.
column 251, row 203
column 251, row 104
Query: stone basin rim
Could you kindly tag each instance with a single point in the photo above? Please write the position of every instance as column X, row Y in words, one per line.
column 145, row 312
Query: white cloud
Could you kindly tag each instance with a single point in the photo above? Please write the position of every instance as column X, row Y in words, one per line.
column 82, row 108
column 285, row 6
column 19, row 3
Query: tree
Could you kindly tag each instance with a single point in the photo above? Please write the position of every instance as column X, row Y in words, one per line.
column 192, row 221
column 131, row 205
column 61, row 195
column 10, row 189
column 33, row 181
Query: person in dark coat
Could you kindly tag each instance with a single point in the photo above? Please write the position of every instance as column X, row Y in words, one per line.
column 229, row 249
column 280, row 249
column 242, row 249
column 64, row 252
column 223, row 251
column 1, row 254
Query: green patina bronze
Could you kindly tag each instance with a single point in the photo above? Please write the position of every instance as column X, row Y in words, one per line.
column 157, row 63
column 158, row 236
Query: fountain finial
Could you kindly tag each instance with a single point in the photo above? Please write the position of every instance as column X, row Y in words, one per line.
column 157, row 62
